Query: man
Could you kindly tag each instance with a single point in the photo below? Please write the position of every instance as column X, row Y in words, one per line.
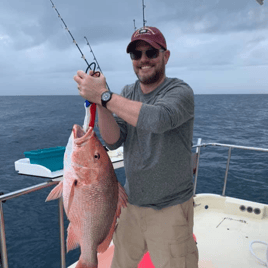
column 154, row 120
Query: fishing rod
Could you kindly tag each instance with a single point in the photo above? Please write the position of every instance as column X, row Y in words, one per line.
column 98, row 66
column 143, row 7
column 92, row 108
column 135, row 28
column 144, row 21
column 83, row 57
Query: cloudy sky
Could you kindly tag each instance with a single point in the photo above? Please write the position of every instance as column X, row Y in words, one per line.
column 217, row 46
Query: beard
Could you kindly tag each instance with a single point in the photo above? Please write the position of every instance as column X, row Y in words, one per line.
column 147, row 80
column 153, row 78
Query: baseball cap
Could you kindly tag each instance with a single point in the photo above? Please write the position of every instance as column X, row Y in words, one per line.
column 150, row 35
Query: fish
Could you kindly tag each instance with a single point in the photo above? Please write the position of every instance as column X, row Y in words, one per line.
column 92, row 196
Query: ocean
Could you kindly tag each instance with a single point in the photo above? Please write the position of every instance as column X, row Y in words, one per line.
column 36, row 122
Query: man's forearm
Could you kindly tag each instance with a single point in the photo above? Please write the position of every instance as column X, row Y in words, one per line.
column 91, row 88
column 124, row 108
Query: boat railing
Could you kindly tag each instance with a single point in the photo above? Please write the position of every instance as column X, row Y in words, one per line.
column 230, row 146
column 8, row 196
column 118, row 164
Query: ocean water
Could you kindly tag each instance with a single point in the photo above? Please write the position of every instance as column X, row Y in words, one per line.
column 36, row 122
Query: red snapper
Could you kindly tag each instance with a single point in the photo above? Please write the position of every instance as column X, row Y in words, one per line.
column 92, row 196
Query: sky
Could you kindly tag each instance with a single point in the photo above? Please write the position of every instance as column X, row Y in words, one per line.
column 217, row 46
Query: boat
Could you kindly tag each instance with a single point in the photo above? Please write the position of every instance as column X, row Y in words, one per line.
column 230, row 232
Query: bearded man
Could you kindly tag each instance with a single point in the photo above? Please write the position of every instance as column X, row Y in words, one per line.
column 153, row 119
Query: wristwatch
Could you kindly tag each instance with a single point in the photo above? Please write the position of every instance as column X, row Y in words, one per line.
column 105, row 97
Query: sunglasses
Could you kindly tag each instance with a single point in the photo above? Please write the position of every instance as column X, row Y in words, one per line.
column 151, row 53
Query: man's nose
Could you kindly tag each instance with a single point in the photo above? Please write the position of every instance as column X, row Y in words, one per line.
column 144, row 56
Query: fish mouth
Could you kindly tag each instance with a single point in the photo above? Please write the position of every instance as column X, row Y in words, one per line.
column 80, row 136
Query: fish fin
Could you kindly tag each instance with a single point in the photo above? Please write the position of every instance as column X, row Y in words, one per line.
column 122, row 199
column 56, row 192
column 72, row 241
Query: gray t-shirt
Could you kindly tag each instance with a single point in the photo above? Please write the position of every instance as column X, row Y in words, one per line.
column 157, row 152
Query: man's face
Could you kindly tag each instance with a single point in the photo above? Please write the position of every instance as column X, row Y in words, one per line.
column 150, row 71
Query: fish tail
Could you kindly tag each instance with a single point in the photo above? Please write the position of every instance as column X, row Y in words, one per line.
column 80, row 264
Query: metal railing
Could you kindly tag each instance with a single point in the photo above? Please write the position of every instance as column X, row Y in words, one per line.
column 198, row 149
column 116, row 165
column 21, row 192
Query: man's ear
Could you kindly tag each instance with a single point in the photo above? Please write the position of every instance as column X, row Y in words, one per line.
column 166, row 56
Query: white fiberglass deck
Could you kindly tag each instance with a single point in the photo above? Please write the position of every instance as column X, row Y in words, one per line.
column 224, row 232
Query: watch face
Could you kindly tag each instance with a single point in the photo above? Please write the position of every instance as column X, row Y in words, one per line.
column 106, row 96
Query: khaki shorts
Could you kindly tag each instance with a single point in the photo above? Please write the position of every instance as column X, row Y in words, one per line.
column 167, row 234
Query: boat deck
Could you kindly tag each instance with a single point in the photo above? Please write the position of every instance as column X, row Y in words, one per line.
column 224, row 228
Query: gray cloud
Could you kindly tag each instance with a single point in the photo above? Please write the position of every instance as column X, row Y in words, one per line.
column 204, row 36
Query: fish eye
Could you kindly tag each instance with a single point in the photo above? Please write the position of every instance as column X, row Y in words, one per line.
column 97, row 156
